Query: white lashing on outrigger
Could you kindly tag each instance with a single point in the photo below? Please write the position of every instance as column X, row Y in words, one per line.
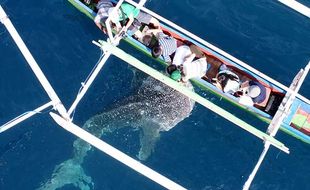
column 64, row 118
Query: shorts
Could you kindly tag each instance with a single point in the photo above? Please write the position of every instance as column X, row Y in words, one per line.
column 142, row 18
column 102, row 15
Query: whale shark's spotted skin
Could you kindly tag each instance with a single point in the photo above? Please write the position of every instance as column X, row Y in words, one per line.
column 156, row 107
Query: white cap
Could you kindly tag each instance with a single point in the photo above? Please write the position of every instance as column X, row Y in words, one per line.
column 254, row 91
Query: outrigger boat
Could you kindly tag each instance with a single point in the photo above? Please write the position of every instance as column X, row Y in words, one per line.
column 296, row 124
column 284, row 108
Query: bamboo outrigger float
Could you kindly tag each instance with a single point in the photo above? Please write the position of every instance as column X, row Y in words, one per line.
column 290, row 116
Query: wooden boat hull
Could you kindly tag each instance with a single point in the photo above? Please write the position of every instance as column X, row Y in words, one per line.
column 293, row 124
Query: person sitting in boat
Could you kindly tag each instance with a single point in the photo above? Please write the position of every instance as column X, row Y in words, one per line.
column 184, row 68
column 226, row 80
column 251, row 92
column 165, row 46
column 126, row 13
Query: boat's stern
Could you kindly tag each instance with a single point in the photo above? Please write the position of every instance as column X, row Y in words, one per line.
column 297, row 123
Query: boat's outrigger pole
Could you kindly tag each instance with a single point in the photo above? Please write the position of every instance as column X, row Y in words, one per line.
column 277, row 120
column 299, row 7
column 88, row 82
column 33, row 64
column 24, row 116
column 105, row 46
column 63, row 118
column 57, row 104
column 116, row 154
column 113, row 40
column 218, row 50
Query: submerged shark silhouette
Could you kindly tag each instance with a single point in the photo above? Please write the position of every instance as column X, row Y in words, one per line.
column 155, row 108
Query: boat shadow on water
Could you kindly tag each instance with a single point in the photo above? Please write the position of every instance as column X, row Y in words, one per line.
column 153, row 109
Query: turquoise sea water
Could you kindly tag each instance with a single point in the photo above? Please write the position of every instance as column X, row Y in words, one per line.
column 203, row 152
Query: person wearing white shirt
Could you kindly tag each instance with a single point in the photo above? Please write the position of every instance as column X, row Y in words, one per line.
column 184, row 68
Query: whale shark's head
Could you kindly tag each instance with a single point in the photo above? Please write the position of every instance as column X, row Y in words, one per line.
column 164, row 105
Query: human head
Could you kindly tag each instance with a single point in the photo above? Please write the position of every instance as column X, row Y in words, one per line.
column 147, row 40
column 156, row 51
column 171, row 68
column 176, row 75
column 254, row 91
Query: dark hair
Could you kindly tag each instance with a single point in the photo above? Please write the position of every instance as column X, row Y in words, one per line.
column 156, row 51
column 147, row 40
column 224, row 77
column 171, row 68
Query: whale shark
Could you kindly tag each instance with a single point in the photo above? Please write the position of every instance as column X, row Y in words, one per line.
column 154, row 108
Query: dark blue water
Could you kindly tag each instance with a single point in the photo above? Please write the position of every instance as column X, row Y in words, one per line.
column 203, row 152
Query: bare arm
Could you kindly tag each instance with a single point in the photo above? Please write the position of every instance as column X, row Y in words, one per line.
column 130, row 21
column 101, row 27
column 190, row 58
column 125, row 28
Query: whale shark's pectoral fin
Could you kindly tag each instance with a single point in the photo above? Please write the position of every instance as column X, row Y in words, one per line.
column 149, row 135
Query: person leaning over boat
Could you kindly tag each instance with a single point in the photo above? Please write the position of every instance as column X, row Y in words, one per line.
column 184, row 68
column 103, row 7
column 126, row 13
column 251, row 92
column 165, row 46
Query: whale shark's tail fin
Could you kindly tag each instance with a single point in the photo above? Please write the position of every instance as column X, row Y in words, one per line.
column 68, row 172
